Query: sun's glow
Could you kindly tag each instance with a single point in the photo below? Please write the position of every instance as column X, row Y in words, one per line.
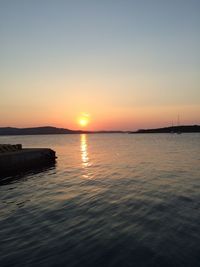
column 83, row 120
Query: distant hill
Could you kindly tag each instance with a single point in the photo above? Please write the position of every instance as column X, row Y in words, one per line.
column 45, row 130
column 173, row 129
column 53, row 130
column 36, row 130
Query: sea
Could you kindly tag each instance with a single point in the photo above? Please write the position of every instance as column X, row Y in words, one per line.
column 110, row 200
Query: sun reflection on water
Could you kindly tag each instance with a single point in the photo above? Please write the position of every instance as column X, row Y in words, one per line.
column 84, row 151
column 85, row 161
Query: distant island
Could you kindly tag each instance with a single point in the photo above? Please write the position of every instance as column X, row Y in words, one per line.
column 53, row 130
column 35, row 130
column 46, row 130
column 172, row 129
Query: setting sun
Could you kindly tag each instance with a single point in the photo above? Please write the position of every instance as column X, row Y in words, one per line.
column 83, row 120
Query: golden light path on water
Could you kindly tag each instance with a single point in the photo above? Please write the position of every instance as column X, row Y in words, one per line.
column 85, row 161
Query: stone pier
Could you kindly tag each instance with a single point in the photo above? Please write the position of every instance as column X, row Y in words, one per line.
column 17, row 159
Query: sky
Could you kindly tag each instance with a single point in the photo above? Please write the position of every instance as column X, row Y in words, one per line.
column 128, row 64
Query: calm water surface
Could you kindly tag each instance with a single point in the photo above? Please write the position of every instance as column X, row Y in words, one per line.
column 110, row 200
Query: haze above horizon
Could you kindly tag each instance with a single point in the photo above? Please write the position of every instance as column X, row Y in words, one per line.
column 128, row 64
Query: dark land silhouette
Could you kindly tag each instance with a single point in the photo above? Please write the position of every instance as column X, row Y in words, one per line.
column 53, row 130
column 172, row 129
column 45, row 130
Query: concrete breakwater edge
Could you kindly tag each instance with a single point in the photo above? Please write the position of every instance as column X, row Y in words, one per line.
column 14, row 159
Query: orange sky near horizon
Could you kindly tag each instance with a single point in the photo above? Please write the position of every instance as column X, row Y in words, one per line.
column 115, row 119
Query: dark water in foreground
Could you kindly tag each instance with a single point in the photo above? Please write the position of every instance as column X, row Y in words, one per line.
column 111, row 200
